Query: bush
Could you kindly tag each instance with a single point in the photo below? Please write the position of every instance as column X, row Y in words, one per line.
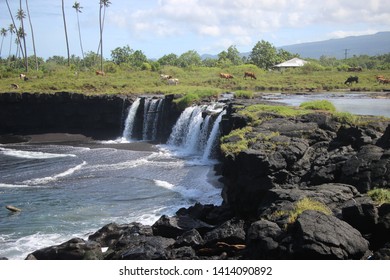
column 245, row 94
column 323, row 105
column 307, row 204
column 380, row 196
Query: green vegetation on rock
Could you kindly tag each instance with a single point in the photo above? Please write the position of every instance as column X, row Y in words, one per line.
column 380, row 196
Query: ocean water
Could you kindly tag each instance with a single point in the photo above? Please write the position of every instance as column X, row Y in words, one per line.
column 68, row 191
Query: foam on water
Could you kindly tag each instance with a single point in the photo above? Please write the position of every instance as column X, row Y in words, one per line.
column 32, row 154
column 46, row 180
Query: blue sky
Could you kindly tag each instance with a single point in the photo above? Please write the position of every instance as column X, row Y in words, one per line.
column 159, row 27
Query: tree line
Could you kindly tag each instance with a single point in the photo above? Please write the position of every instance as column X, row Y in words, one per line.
column 264, row 55
column 18, row 28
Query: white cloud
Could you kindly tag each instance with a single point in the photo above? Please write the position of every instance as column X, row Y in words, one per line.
column 239, row 21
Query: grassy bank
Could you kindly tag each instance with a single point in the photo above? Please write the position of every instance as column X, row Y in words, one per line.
column 196, row 80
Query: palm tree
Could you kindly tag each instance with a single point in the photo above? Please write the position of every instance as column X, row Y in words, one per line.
column 3, row 33
column 66, row 32
column 103, row 4
column 20, row 16
column 11, row 30
column 32, row 35
column 17, row 33
column 78, row 8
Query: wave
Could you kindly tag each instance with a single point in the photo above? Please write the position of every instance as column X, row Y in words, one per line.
column 49, row 179
column 207, row 194
column 11, row 186
column 32, row 155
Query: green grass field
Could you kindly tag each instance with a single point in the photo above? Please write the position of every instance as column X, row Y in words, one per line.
column 196, row 80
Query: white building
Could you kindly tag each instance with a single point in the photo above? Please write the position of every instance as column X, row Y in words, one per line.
column 292, row 63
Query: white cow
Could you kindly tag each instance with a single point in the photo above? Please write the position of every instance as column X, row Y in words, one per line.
column 165, row 77
column 173, row 81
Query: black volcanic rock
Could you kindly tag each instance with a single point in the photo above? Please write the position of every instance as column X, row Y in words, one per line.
column 320, row 236
column 74, row 249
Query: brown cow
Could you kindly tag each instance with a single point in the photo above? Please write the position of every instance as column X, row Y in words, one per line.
column 250, row 74
column 226, row 76
column 101, row 73
column 384, row 81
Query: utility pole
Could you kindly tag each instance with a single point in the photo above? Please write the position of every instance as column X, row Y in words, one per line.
column 346, row 53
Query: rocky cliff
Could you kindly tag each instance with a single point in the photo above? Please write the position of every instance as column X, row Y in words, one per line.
column 295, row 188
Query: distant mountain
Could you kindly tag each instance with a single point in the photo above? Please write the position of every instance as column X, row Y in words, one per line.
column 375, row 44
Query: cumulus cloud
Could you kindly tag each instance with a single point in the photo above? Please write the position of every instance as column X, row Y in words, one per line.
column 246, row 20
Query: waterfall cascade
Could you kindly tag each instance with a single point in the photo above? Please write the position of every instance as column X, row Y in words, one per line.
column 195, row 133
column 150, row 118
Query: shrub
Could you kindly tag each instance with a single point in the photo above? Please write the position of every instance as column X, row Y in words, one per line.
column 301, row 206
column 307, row 204
column 323, row 105
column 235, row 142
column 245, row 94
column 345, row 117
column 380, row 196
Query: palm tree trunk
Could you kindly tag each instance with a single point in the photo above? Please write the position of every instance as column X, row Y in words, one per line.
column 24, row 39
column 13, row 22
column 81, row 42
column 32, row 35
column 66, row 32
column 101, row 37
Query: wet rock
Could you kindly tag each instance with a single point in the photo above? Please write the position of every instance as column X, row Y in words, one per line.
column 109, row 235
column 74, row 249
column 142, row 248
column 175, row 226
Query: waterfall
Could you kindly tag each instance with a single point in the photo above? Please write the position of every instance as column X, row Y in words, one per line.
column 151, row 115
column 129, row 123
column 212, row 139
column 191, row 133
column 195, row 133
column 150, row 119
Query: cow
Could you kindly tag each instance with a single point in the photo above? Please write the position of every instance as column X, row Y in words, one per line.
column 23, row 77
column 250, row 74
column 100, row 73
column 384, row 81
column 15, row 86
column 165, row 77
column 226, row 76
column 173, row 81
column 352, row 79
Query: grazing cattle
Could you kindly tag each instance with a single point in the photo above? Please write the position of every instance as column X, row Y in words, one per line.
column 352, row 79
column 226, row 76
column 173, row 81
column 165, row 77
column 250, row 74
column 14, row 86
column 100, row 73
column 23, row 77
column 384, row 81
column 355, row 69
